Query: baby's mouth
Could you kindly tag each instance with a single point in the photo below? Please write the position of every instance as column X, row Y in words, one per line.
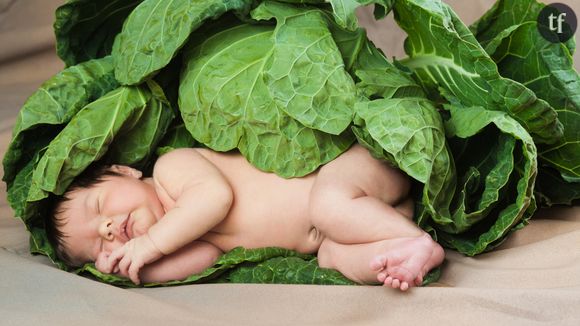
column 124, row 228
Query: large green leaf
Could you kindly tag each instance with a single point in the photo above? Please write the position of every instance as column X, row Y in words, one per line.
column 498, row 177
column 157, row 29
column 44, row 115
column 52, row 105
column 225, row 104
column 86, row 29
column 522, row 54
column 177, row 136
column 135, row 146
column 349, row 43
column 378, row 78
column 447, row 60
column 86, row 139
column 503, row 16
column 410, row 129
column 344, row 11
column 547, row 69
column 551, row 189
column 19, row 187
column 304, row 71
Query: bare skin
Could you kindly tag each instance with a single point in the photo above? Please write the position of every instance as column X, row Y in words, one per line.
column 354, row 211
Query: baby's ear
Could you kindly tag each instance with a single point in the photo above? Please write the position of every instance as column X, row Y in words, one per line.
column 126, row 170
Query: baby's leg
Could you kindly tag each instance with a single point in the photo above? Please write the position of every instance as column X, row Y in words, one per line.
column 358, row 199
column 361, row 205
column 404, row 262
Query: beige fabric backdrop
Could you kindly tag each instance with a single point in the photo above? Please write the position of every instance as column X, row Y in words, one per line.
column 532, row 279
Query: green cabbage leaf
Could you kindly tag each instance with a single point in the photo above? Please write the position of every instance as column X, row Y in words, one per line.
column 86, row 29
column 444, row 55
column 522, row 54
column 154, row 32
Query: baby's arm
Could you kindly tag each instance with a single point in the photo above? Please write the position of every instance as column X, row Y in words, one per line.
column 202, row 197
column 191, row 259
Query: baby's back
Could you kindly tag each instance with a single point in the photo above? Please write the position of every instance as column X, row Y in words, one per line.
column 268, row 210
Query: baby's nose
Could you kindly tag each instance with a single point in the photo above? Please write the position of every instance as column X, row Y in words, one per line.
column 106, row 229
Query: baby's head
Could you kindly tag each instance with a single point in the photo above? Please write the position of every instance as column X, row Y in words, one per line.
column 102, row 209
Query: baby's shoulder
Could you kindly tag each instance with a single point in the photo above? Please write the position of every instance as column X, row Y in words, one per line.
column 179, row 157
column 185, row 164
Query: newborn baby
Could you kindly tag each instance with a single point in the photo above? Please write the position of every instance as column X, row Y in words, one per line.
column 355, row 211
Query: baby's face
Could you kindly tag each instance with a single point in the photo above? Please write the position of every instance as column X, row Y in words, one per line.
column 101, row 219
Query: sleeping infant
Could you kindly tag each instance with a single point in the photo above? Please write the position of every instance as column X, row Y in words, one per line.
column 355, row 212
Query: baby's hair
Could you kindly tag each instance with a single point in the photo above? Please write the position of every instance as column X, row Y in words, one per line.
column 54, row 221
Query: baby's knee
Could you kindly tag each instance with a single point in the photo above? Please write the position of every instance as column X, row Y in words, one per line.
column 404, row 185
column 396, row 186
column 406, row 207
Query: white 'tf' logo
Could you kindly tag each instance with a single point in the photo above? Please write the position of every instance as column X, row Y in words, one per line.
column 560, row 20
column 556, row 23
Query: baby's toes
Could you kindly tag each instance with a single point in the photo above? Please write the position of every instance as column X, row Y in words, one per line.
column 388, row 281
column 381, row 277
column 396, row 284
column 404, row 286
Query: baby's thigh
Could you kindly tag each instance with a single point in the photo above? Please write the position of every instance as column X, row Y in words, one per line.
column 356, row 173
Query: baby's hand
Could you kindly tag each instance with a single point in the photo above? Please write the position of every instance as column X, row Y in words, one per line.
column 130, row 258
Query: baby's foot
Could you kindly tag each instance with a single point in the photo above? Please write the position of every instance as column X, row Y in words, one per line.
column 406, row 261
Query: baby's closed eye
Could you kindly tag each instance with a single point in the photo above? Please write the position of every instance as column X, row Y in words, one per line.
column 98, row 206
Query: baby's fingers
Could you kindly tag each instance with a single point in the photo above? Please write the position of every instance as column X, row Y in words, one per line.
column 114, row 258
column 134, row 273
column 124, row 265
column 129, row 268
